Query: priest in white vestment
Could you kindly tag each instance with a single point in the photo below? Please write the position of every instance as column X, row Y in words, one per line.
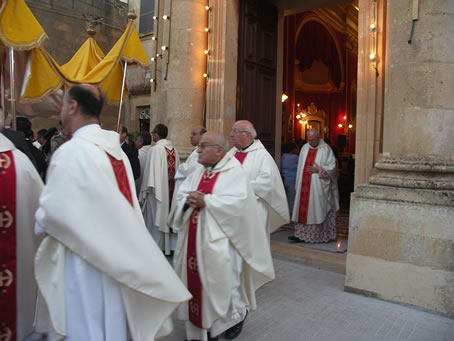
column 20, row 187
column 317, row 195
column 143, row 145
column 100, row 274
column 263, row 174
column 158, row 185
column 223, row 254
column 192, row 162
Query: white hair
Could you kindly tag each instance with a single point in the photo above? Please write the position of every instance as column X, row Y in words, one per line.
column 314, row 131
column 251, row 130
column 220, row 140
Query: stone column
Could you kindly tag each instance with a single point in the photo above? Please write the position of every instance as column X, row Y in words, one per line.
column 221, row 87
column 370, row 89
column 401, row 233
column 179, row 97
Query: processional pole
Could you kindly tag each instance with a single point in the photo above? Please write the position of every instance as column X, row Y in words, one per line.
column 13, row 88
column 2, row 85
column 121, row 97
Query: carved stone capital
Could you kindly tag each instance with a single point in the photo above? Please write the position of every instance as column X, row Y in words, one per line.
column 415, row 173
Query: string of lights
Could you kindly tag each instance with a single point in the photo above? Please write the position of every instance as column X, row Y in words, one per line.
column 373, row 28
column 165, row 47
column 156, row 54
column 207, row 52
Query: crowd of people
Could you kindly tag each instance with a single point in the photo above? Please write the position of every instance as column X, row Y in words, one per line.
column 89, row 247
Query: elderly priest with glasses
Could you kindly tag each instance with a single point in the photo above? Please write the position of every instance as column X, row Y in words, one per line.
column 222, row 255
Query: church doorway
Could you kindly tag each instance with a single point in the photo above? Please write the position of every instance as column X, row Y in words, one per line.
column 319, row 81
column 320, row 61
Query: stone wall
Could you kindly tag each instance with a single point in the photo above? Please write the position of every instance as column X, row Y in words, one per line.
column 65, row 22
column 401, row 232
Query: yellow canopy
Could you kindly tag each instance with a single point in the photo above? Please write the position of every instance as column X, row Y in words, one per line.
column 86, row 66
column 19, row 29
column 86, row 58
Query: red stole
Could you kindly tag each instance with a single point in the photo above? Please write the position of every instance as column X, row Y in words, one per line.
column 206, row 185
column 122, row 179
column 171, row 172
column 8, row 260
column 241, row 156
column 306, row 187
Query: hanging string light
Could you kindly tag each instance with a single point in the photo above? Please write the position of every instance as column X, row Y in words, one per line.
column 373, row 26
column 207, row 52
column 154, row 59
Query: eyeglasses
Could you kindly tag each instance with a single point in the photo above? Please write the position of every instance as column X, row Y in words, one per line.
column 203, row 145
column 236, row 131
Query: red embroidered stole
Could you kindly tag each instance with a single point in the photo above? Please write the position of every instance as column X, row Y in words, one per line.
column 306, row 187
column 8, row 260
column 241, row 156
column 171, row 172
column 206, row 185
column 122, row 179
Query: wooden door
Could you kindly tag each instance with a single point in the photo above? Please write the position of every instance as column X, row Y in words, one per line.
column 257, row 54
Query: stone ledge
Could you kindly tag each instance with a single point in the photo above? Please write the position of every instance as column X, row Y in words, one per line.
column 414, row 181
column 320, row 259
column 412, row 165
column 414, row 172
column 402, row 194
column 372, row 294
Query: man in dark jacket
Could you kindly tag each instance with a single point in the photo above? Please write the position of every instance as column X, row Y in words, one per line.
column 24, row 125
column 131, row 152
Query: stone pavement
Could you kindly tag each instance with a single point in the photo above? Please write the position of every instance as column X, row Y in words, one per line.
column 306, row 303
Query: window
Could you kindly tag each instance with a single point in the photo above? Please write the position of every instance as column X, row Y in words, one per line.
column 144, row 118
column 146, row 23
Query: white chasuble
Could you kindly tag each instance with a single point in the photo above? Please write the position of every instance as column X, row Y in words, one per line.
column 142, row 155
column 324, row 194
column 233, row 255
column 96, row 244
column 154, row 194
column 267, row 184
column 27, row 187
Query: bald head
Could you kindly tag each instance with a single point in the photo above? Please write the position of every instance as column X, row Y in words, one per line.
column 313, row 137
column 88, row 98
column 196, row 134
column 242, row 134
column 212, row 148
column 82, row 105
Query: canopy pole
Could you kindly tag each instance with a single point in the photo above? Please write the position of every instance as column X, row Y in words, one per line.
column 2, row 85
column 13, row 88
column 121, row 97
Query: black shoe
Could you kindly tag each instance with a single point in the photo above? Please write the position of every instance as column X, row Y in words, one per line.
column 234, row 331
column 295, row 239
column 213, row 338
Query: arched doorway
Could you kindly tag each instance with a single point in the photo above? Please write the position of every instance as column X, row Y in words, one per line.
column 320, row 62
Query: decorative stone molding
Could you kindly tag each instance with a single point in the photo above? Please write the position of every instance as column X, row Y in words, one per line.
column 404, row 195
column 414, row 173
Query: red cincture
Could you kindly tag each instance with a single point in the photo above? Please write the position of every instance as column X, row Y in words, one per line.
column 240, row 156
column 306, row 187
column 122, row 179
column 8, row 260
column 194, row 284
column 171, row 163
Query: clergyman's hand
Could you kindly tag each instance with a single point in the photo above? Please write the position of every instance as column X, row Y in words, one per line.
column 313, row 169
column 196, row 199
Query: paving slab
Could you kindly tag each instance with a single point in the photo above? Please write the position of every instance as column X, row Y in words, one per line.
column 308, row 303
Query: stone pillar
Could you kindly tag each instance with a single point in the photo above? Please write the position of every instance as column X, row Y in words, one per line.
column 370, row 89
column 179, row 98
column 221, row 87
column 401, row 233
